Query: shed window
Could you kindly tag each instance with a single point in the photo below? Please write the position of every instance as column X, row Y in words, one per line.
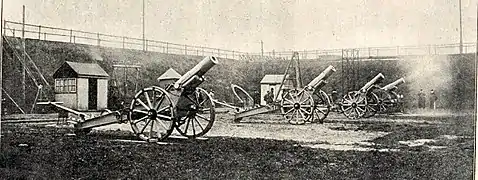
column 65, row 85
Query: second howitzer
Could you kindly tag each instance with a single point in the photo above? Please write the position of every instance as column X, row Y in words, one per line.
column 361, row 103
column 309, row 104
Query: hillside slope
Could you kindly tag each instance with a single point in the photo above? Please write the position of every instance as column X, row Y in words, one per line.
column 452, row 77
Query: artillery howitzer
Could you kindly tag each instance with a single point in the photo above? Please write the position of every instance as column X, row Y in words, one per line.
column 297, row 105
column 311, row 103
column 154, row 112
column 361, row 103
column 388, row 98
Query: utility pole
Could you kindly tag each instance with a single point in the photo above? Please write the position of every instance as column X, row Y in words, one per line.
column 262, row 48
column 1, row 69
column 144, row 39
column 23, row 101
column 461, row 29
column 263, row 60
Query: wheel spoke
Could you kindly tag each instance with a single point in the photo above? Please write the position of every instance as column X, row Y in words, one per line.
column 289, row 101
column 146, row 125
column 139, row 120
column 346, row 109
column 197, row 121
column 142, row 103
column 195, row 102
column 140, row 111
column 162, row 124
column 202, row 102
column 187, row 126
column 163, row 117
column 321, row 111
column 291, row 109
column 192, row 126
column 293, row 99
column 159, row 102
column 202, row 117
column 302, row 114
column 148, row 100
column 362, row 110
column 164, row 108
column 151, row 129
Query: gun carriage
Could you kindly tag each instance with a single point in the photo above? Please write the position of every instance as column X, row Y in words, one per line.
column 363, row 102
column 155, row 112
column 298, row 104
column 389, row 100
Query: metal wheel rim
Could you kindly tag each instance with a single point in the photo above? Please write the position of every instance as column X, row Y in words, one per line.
column 321, row 108
column 348, row 108
column 296, row 106
column 199, row 123
column 151, row 114
column 373, row 105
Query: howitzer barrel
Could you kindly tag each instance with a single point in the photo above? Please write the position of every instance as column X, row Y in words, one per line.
column 320, row 79
column 369, row 84
column 393, row 84
column 194, row 77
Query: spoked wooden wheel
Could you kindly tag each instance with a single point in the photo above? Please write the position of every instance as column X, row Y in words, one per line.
column 373, row 105
column 196, row 113
column 151, row 114
column 296, row 106
column 321, row 107
column 353, row 105
column 385, row 101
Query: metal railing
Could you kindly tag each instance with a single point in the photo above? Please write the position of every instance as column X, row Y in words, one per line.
column 47, row 33
column 378, row 52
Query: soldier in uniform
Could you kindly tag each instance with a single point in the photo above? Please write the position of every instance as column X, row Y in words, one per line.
column 433, row 99
column 421, row 99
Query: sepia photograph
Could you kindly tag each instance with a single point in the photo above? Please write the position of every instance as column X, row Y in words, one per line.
column 238, row 89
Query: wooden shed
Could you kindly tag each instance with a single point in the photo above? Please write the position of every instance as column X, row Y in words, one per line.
column 168, row 77
column 273, row 81
column 81, row 86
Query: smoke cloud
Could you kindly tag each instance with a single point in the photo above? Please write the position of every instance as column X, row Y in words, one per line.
column 427, row 73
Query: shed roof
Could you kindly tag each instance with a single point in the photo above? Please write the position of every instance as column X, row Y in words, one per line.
column 75, row 69
column 169, row 74
column 272, row 79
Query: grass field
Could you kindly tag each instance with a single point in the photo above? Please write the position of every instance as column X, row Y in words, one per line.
column 42, row 152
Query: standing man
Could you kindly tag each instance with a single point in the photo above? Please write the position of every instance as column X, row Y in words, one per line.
column 433, row 99
column 268, row 98
column 421, row 99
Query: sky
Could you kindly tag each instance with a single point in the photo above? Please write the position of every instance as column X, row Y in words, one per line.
column 281, row 24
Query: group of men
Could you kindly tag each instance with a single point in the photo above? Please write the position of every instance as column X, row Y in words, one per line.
column 422, row 99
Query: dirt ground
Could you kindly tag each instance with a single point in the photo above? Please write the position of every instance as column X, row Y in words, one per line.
column 337, row 133
column 413, row 146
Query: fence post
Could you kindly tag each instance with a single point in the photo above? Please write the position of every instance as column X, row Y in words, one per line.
column 39, row 32
column 369, row 49
column 202, row 48
column 74, row 40
column 185, row 49
column 71, row 35
column 233, row 55
column 167, row 47
column 44, row 36
column 146, row 44
column 218, row 52
column 123, row 42
column 98, row 35
column 398, row 50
